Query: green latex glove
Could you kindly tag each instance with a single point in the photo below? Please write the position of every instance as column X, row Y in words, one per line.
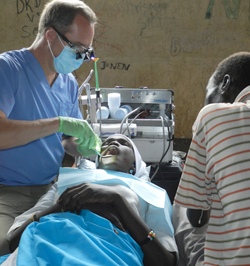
column 87, row 139
column 84, row 148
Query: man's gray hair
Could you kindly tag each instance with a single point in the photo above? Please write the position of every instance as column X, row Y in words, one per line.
column 61, row 13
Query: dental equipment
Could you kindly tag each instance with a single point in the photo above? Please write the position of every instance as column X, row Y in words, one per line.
column 151, row 112
column 98, row 153
column 97, row 91
column 85, row 82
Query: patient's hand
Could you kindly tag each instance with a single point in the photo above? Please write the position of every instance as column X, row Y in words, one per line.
column 98, row 199
column 73, row 198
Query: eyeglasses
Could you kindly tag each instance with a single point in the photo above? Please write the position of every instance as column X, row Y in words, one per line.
column 80, row 51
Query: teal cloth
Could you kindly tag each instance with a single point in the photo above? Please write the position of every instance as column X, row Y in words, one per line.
column 3, row 258
column 69, row 239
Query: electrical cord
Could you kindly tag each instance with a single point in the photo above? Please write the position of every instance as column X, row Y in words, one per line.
column 81, row 109
column 169, row 141
column 85, row 82
column 98, row 104
column 127, row 115
column 128, row 125
column 163, row 133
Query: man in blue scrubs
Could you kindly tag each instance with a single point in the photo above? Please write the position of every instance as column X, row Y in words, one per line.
column 39, row 114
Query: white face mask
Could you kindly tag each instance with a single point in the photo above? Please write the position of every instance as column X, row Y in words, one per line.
column 66, row 62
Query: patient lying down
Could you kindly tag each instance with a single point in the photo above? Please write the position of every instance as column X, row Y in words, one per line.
column 100, row 223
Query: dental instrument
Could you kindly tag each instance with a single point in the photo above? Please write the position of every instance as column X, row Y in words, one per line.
column 98, row 153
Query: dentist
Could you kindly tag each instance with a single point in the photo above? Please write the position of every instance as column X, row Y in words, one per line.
column 39, row 114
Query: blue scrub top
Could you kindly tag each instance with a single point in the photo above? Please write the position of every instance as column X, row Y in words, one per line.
column 27, row 95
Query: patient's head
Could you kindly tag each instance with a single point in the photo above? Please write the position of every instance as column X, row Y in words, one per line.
column 229, row 79
column 117, row 154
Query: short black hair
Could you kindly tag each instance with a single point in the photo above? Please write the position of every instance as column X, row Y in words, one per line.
column 238, row 67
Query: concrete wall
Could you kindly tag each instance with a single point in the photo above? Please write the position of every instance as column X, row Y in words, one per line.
column 171, row 44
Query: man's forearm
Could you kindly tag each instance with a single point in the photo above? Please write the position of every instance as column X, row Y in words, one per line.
column 15, row 133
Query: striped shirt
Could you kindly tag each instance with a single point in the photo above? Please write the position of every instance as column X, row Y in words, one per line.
column 217, row 176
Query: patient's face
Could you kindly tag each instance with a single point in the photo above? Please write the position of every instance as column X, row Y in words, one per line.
column 117, row 154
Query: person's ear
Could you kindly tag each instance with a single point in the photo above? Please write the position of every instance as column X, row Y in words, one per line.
column 225, row 84
column 132, row 170
column 50, row 34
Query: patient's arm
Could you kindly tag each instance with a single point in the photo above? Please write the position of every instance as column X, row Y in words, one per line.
column 15, row 237
column 154, row 252
column 198, row 218
column 105, row 210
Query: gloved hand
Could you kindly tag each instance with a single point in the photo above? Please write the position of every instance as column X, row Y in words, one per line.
column 85, row 148
column 87, row 139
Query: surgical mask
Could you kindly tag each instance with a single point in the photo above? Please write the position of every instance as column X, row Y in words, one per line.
column 66, row 62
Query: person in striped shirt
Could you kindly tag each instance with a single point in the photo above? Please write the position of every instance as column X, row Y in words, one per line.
column 215, row 183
